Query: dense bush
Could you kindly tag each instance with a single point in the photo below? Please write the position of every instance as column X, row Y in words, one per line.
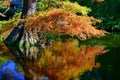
column 108, row 11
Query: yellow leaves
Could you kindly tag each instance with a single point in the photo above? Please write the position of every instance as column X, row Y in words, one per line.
column 99, row 0
column 55, row 12
column 74, row 7
column 7, row 3
column 7, row 26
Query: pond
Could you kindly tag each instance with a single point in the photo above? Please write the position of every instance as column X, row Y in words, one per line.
column 70, row 59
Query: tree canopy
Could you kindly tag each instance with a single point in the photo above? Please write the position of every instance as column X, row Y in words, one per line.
column 61, row 18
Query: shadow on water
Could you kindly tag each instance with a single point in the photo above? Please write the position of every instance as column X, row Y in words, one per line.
column 67, row 60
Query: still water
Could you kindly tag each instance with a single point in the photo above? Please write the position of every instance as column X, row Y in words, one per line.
column 93, row 59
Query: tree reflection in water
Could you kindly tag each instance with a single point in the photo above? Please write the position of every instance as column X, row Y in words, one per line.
column 63, row 60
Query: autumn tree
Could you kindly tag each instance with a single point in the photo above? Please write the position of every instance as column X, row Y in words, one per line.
column 58, row 17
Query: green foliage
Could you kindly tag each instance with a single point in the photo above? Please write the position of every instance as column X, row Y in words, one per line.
column 4, row 23
column 3, row 26
column 6, row 26
column 2, row 5
column 43, row 5
column 40, row 6
column 10, row 21
column 108, row 11
column 49, row 36
column 3, row 60
column 74, row 7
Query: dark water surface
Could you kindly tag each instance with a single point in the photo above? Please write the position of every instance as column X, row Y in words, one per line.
column 93, row 59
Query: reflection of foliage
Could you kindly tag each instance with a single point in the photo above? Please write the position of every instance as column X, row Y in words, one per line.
column 61, row 22
column 65, row 60
column 114, row 42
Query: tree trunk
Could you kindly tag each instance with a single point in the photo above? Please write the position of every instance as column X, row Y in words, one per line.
column 29, row 7
column 15, row 36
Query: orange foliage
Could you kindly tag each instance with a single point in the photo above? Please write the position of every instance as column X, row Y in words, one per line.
column 98, row 0
column 65, row 60
column 5, row 50
column 61, row 22
column 5, row 31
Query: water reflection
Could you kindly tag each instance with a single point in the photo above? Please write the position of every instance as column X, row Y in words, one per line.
column 96, row 74
column 63, row 60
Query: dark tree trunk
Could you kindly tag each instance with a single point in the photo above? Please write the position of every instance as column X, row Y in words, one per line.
column 29, row 7
column 15, row 36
